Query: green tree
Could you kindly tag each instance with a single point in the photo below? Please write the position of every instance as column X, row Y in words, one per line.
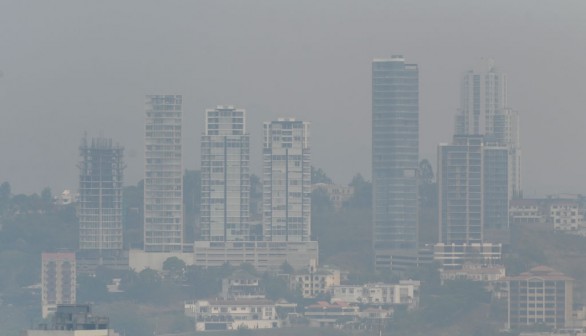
column 175, row 267
column 362, row 197
column 319, row 176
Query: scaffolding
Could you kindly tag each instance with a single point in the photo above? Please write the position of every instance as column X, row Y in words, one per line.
column 100, row 195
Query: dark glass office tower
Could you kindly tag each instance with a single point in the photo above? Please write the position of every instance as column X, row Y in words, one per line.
column 395, row 158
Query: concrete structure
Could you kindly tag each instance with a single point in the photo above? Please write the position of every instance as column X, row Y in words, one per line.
column 338, row 194
column 484, row 111
column 163, row 175
column 395, row 160
column 406, row 293
column 263, row 255
column 454, row 256
column 474, row 272
column 565, row 215
column 58, row 280
column 242, row 285
column 286, row 181
column 324, row 314
column 473, row 191
column 100, row 195
column 541, row 296
column 233, row 314
column 527, row 211
column 313, row 281
column 225, row 175
column 73, row 320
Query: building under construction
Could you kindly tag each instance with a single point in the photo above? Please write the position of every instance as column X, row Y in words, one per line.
column 100, row 195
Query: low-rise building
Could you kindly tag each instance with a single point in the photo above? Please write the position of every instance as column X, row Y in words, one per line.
column 242, row 285
column 474, row 272
column 406, row 292
column 73, row 320
column 314, row 281
column 527, row 211
column 263, row 255
column 324, row 314
column 565, row 215
column 233, row 314
column 454, row 256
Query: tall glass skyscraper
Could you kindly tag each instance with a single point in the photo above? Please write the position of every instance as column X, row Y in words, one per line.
column 395, row 159
column 225, row 175
column 163, row 175
column 286, row 181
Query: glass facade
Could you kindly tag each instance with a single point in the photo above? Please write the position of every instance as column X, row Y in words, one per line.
column 395, row 155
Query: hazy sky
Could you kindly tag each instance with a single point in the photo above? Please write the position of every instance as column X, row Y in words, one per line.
column 74, row 66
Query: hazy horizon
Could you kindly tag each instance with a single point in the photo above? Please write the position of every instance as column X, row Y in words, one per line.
column 70, row 67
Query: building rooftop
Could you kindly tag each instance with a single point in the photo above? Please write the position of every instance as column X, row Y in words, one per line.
column 541, row 272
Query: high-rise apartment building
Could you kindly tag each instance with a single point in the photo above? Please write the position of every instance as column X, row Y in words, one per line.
column 459, row 176
column 395, row 158
column 286, row 181
column 473, row 189
column 225, row 175
column 100, row 195
column 163, row 179
column 58, row 280
column 484, row 111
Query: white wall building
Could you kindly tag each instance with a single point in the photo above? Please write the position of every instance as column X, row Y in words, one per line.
column 225, row 176
column 58, row 280
column 286, row 181
column 163, row 175
column 406, row 292
column 314, row 281
column 233, row 314
column 565, row 215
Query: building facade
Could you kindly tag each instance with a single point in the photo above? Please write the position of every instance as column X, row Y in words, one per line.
column 286, row 181
column 395, row 159
column 100, row 195
column 406, row 293
column 233, row 314
column 263, row 255
column 313, row 281
column 163, row 179
column 541, row 296
column 484, row 111
column 58, row 280
column 225, row 175
column 473, row 190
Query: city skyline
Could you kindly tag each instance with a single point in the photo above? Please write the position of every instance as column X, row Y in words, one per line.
column 248, row 71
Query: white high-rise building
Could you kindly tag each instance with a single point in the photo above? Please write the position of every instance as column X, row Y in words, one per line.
column 484, row 111
column 225, row 175
column 163, row 175
column 286, row 181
